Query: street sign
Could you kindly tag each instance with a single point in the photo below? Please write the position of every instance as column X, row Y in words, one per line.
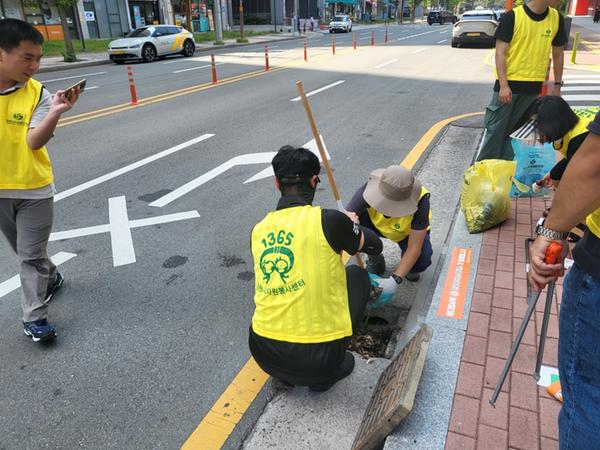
column 90, row 16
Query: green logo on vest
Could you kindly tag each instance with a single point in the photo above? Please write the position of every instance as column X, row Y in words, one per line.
column 277, row 260
column 16, row 119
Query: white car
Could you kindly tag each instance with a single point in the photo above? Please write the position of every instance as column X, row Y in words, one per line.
column 475, row 27
column 340, row 23
column 152, row 42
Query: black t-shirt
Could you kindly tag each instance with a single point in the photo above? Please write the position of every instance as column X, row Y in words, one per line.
column 505, row 31
column 587, row 251
column 420, row 221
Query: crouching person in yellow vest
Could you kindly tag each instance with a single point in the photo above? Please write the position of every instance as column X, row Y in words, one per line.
column 307, row 304
column 395, row 205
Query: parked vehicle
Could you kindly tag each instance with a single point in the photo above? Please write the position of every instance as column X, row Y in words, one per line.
column 340, row 23
column 441, row 17
column 152, row 42
column 475, row 27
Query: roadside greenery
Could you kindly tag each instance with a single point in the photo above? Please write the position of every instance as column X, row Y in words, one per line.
column 56, row 48
column 209, row 36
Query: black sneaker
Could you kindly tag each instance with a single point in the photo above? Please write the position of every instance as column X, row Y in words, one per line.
column 54, row 287
column 376, row 264
column 413, row 276
column 345, row 370
column 39, row 330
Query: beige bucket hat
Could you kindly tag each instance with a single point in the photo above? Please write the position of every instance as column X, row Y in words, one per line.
column 394, row 191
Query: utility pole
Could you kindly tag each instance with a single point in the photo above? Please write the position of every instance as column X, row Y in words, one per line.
column 296, row 18
column 218, row 23
column 241, row 20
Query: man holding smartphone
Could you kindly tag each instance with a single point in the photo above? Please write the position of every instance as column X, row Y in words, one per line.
column 28, row 118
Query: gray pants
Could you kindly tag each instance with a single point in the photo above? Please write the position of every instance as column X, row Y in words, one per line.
column 26, row 224
column 501, row 119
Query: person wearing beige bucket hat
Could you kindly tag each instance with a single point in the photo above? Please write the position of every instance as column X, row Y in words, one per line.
column 395, row 205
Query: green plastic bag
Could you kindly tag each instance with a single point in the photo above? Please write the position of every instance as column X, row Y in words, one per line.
column 484, row 197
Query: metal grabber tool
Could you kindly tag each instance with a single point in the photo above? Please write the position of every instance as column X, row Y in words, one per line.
column 553, row 253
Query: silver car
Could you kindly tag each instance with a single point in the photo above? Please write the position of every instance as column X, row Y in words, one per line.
column 475, row 27
column 152, row 42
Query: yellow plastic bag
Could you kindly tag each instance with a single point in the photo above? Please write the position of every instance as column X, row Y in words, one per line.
column 484, row 197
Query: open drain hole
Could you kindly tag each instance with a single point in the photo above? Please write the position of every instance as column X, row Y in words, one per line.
column 372, row 338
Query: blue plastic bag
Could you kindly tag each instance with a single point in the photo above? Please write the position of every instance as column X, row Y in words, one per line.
column 533, row 162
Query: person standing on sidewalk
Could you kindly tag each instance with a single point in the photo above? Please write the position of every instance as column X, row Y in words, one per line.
column 307, row 304
column 28, row 118
column 395, row 205
column 578, row 198
column 524, row 40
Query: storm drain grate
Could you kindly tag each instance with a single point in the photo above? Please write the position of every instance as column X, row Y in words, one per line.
column 395, row 392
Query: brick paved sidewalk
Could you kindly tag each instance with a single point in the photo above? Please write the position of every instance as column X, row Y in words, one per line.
column 525, row 416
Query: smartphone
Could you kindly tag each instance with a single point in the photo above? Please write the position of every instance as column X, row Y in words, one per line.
column 80, row 84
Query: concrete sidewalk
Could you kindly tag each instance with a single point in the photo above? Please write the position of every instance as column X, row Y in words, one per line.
column 55, row 63
column 588, row 51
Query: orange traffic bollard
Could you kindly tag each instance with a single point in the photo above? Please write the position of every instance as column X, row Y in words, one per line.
column 372, row 38
column 385, row 40
column 333, row 44
column 131, row 86
column 305, row 50
column 214, row 69
column 266, row 58
column 354, row 42
column 546, row 81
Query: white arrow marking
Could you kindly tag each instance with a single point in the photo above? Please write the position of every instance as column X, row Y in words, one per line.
column 120, row 233
column 310, row 145
column 129, row 168
column 13, row 283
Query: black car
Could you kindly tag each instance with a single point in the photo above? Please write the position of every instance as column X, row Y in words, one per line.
column 441, row 17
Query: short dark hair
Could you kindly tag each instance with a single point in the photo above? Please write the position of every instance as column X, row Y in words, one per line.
column 295, row 165
column 15, row 31
column 552, row 118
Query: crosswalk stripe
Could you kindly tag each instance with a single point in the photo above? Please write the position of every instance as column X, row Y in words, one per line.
column 581, row 98
column 580, row 88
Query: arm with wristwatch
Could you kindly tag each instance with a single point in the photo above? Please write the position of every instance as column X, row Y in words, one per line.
column 577, row 197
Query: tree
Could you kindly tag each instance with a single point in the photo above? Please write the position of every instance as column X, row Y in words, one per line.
column 63, row 7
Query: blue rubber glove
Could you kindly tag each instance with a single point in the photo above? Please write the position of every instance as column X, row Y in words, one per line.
column 388, row 288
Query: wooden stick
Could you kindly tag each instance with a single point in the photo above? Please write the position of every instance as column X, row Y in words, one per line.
column 317, row 135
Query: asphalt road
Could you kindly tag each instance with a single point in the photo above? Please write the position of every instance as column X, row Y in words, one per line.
column 153, row 317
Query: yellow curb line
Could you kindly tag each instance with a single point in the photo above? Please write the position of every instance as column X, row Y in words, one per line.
column 228, row 410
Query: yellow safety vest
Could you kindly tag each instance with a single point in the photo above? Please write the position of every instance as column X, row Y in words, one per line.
column 562, row 145
column 300, row 292
column 21, row 167
column 394, row 228
column 593, row 223
column 529, row 50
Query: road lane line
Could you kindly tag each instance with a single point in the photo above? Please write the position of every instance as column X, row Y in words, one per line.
column 579, row 98
column 316, row 91
column 445, row 31
column 73, row 77
column 442, row 41
column 363, row 38
column 583, row 81
column 418, row 50
column 415, row 35
column 579, row 88
column 386, row 63
column 573, row 76
column 13, row 283
column 220, row 421
column 196, row 68
column 129, row 168
column 121, row 241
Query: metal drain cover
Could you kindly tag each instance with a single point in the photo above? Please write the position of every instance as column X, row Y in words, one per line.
column 395, row 392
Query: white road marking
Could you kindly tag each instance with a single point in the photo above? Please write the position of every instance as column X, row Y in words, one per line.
column 129, row 168
column 445, row 31
column 579, row 88
column 418, row 50
column 86, row 88
column 442, row 41
column 73, row 77
column 573, row 76
column 363, row 38
column 580, row 98
column 177, row 60
column 316, row 91
column 583, row 81
column 386, row 63
column 120, row 233
column 196, row 68
column 13, row 283
column 415, row 35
